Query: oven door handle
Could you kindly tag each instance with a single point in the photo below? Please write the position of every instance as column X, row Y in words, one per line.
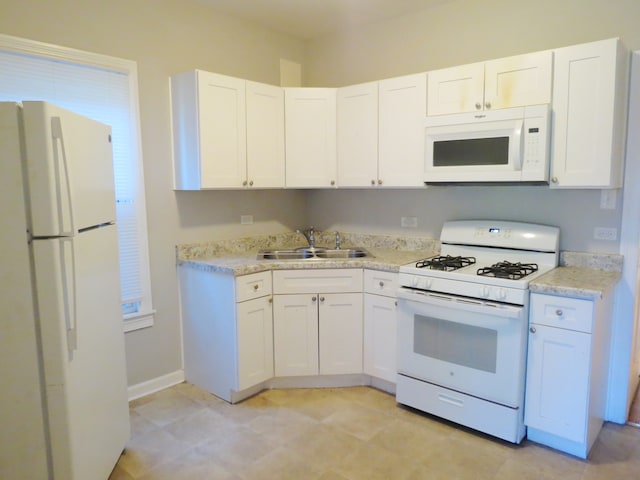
column 460, row 303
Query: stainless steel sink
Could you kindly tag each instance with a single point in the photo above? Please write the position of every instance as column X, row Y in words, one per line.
column 318, row 253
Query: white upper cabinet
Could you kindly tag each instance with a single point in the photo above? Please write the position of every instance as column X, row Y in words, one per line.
column 402, row 108
column 209, row 128
column 589, row 121
column 227, row 132
column 310, row 132
column 358, row 135
column 265, row 136
column 503, row 83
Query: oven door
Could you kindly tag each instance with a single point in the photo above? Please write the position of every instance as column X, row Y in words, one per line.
column 472, row 346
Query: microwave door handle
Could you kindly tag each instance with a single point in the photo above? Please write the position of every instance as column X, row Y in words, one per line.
column 516, row 148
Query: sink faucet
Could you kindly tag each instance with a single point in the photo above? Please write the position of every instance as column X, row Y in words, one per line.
column 309, row 234
column 338, row 241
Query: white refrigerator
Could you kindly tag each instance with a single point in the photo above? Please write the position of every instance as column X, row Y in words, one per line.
column 63, row 390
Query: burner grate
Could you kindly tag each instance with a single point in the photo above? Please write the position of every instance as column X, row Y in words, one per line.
column 513, row 271
column 446, row 262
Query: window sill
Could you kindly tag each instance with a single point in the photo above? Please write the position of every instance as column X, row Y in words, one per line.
column 138, row 321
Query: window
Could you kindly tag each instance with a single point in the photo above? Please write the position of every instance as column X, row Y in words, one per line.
column 105, row 89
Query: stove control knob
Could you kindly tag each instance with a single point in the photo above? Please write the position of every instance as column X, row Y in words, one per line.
column 502, row 294
column 415, row 281
column 486, row 291
column 427, row 282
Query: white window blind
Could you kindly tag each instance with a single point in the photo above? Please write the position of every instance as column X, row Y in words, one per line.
column 104, row 89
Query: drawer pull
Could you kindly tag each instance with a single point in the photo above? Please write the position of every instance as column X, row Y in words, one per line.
column 450, row 400
column 381, row 284
column 532, row 329
column 559, row 313
column 255, row 287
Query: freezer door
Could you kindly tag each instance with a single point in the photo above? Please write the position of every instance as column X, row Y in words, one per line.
column 70, row 170
column 77, row 288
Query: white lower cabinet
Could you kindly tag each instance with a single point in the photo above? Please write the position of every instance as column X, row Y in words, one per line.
column 227, row 331
column 567, row 371
column 380, row 306
column 317, row 322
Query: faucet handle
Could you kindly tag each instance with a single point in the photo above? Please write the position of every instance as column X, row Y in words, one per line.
column 338, row 240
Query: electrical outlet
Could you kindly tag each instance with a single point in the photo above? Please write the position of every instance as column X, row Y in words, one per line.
column 409, row 222
column 603, row 233
column 246, row 219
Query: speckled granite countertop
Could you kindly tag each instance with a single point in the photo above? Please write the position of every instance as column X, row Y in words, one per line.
column 238, row 256
column 237, row 264
column 580, row 282
column 580, row 274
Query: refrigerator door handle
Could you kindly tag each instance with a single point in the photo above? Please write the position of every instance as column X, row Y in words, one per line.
column 58, row 139
column 68, row 263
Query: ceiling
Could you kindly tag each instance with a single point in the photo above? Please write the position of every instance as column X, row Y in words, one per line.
column 306, row 19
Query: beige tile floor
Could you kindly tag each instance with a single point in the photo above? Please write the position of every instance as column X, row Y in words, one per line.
column 340, row 434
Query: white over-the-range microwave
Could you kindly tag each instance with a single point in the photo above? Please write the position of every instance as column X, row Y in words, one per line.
column 502, row 146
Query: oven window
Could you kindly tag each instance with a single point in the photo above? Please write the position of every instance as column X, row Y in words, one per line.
column 471, row 152
column 467, row 345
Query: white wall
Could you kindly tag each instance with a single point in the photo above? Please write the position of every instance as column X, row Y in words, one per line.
column 166, row 37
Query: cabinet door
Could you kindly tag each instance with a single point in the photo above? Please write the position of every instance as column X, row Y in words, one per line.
column 358, row 135
column 310, row 137
column 402, row 110
column 222, row 130
column 295, row 334
column 557, row 389
column 380, row 337
column 518, row 81
column 456, row 90
column 589, row 94
column 340, row 333
column 265, row 136
column 255, row 342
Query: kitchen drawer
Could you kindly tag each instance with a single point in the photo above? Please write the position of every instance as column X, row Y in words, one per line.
column 336, row 280
column 381, row 283
column 562, row 312
column 253, row 286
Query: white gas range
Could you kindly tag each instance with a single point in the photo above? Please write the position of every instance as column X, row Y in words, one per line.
column 462, row 323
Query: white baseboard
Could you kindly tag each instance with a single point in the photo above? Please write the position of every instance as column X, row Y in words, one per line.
column 155, row 384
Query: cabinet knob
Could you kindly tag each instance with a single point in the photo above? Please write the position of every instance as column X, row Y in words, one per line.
column 313, row 299
column 478, row 105
column 333, row 182
column 270, row 299
column 381, row 284
column 559, row 313
column 373, row 182
column 251, row 183
column 554, row 179
column 322, row 299
column 487, row 104
column 395, row 303
column 244, row 184
column 255, row 287
column 380, row 182
column 532, row 329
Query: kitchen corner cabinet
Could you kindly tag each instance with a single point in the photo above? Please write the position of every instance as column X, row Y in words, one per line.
column 502, row 83
column 357, row 135
column 401, row 112
column 310, row 133
column 380, row 307
column 227, row 132
column 317, row 322
column 567, row 371
column 589, row 115
column 227, row 326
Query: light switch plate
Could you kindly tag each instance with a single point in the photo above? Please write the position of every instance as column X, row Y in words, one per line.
column 246, row 219
column 409, row 222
